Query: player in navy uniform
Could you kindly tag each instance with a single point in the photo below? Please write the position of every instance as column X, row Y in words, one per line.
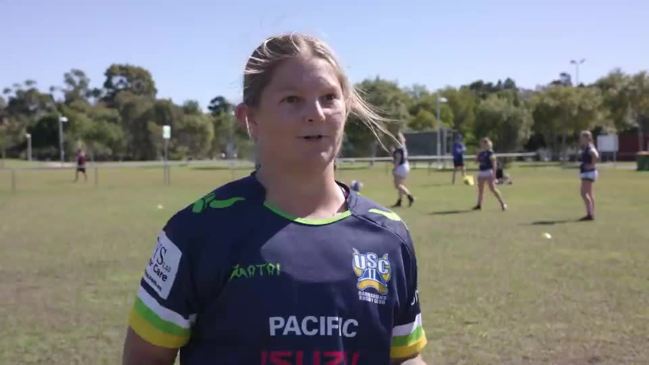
column 400, row 171
column 285, row 266
column 458, row 156
column 588, row 173
column 487, row 174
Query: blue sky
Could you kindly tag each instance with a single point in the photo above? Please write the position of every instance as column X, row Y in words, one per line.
column 197, row 49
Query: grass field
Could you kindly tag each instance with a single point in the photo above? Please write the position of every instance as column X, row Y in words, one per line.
column 494, row 290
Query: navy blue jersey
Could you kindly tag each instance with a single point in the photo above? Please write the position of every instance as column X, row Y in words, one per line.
column 400, row 155
column 484, row 159
column 586, row 159
column 458, row 150
column 233, row 280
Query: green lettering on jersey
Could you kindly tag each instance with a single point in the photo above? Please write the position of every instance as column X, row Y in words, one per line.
column 254, row 271
column 210, row 200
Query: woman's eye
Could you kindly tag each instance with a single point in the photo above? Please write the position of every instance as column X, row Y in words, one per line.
column 291, row 99
column 330, row 97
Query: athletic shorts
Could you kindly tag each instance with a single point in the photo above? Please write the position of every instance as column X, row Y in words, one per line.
column 401, row 170
column 458, row 162
column 81, row 169
column 589, row 175
column 484, row 174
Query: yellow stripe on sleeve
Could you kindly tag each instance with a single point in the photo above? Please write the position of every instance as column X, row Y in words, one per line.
column 153, row 335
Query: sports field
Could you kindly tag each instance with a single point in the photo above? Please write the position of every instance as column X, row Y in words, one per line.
column 494, row 288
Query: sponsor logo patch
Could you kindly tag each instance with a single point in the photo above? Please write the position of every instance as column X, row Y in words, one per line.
column 163, row 266
column 373, row 273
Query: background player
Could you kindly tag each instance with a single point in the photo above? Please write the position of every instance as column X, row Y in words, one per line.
column 400, row 171
column 81, row 165
column 487, row 174
column 588, row 173
column 458, row 156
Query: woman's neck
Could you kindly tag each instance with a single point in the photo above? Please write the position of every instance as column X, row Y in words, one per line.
column 306, row 194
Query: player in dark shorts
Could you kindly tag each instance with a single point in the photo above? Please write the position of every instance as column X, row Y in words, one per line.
column 487, row 175
column 81, row 166
column 285, row 266
column 502, row 178
column 458, row 157
column 588, row 173
column 400, row 171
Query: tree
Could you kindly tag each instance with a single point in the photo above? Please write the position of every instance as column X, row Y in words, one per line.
column 639, row 103
column 121, row 78
column 193, row 136
column 463, row 104
column 391, row 102
column 615, row 98
column 77, row 86
column 505, row 123
column 428, row 103
column 135, row 115
column 424, row 120
column 220, row 105
column 25, row 105
column 561, row 111
column 192, row 107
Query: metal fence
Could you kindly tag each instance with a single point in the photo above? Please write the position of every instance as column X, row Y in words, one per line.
column 95, row 170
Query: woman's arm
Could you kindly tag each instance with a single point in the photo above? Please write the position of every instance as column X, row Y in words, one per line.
column 594, row 154
column 139, row 352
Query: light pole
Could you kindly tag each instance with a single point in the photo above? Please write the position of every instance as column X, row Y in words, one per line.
column 439, row 124
column 62, row 120
column 29, row 146
column 166, row 135
column 577, row 63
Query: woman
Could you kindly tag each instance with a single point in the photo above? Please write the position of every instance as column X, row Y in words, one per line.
column 286, row 266
column 458, row 157
column 400, row 171
column 487, row 174
column 588, row 173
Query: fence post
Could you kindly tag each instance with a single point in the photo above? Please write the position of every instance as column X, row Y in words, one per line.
column 13, row 180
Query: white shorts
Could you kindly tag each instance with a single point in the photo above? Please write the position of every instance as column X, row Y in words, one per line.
column 589, row 175
column 402, row 170
column 486, row 174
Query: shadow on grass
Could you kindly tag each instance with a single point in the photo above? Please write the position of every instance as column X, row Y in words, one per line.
column 436, row 184
column 553, row 222
column 448, row 212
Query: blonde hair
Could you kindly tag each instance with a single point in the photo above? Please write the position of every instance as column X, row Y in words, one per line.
column 587, row 134
column 272, row 51
column 488, row 142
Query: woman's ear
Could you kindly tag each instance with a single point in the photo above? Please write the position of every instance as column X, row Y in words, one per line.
column 245, row 117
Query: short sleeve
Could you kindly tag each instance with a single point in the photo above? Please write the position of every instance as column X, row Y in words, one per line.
column 163, row 312
column 408, row 336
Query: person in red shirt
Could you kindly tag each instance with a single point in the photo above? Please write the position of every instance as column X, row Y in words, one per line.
column 81, row 165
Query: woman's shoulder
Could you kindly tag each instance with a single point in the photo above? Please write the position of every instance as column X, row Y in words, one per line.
column 377, row 215
column 223, row 207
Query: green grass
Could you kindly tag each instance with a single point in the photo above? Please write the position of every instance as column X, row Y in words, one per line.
column 493, row 289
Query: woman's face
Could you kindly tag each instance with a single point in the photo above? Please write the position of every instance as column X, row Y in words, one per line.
column 300, row 119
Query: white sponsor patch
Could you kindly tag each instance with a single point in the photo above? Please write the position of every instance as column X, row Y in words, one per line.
column 163, row 266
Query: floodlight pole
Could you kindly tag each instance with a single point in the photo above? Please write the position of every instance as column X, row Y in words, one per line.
column 62, row 120
column 577, row 63
column 29, row 146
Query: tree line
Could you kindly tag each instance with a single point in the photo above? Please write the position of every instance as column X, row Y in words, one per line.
column 123, row 119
